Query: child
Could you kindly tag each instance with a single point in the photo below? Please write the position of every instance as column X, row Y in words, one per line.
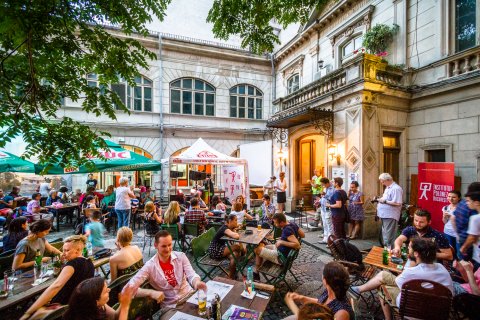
column 90, row 202
column 95, row 231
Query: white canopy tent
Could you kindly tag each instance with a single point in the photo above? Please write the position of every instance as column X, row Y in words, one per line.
column 234, row 173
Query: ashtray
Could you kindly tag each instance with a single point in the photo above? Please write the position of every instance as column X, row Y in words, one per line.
column 3, row 294
column 248, row 231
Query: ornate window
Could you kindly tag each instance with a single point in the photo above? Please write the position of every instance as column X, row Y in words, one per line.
column 467, row 24
column 137, row 98
column 192, row 96
column 246, row 101
column 351, row 46
column 293, row 83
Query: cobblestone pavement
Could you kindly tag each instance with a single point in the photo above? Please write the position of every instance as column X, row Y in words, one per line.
column 307, row 268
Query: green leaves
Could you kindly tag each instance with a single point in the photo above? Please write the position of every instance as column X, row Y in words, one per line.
column 46, row 50
column 377, row 39
column 251, row 19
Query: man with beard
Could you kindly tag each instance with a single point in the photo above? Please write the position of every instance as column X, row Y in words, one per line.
column 421, row 228
column 421, row 254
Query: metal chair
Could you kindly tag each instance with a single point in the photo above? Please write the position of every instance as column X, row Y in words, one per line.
column 190, row 231
column 116, row 287
column 173, row 230
column 147, row 235
column 201, row 257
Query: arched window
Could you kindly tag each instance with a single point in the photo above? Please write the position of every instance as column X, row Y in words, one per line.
column 349, row 48
column 192, row 96
column 246, row 101
column 293, row 83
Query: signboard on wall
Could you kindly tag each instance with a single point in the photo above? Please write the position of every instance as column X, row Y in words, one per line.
column 435, row 180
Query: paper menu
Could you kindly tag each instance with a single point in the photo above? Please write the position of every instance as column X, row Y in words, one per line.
column 220, row 288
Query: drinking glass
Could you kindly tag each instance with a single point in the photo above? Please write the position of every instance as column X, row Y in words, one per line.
column 9, row 281
column 202, row 302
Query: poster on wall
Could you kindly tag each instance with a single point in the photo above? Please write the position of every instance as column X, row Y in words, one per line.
column 435, row 180
column 233, row 181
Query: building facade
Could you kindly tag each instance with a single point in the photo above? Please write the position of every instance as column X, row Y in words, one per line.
column 355, row 115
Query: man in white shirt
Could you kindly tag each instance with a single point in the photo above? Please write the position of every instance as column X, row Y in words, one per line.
column 169, row 273
column 389, row 208
column 422, row 266
column 473, row 203
column 268, row 187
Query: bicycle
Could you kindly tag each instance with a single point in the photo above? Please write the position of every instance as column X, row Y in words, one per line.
column 406, row 220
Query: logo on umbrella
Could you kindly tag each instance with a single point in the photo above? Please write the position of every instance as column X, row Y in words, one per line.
column 4, row 155
column 206, row 154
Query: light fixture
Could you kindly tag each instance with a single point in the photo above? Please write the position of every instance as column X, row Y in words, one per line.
column 320, row 64
column 332, row 152
column 282, row 156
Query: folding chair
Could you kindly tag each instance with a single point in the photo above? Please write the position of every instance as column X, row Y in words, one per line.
column 173, row 230
column 190, row 231
column 201, row 257
column 146, row 236
column 116, row 287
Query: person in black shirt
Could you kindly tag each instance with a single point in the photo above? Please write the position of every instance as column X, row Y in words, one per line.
column 338, row 208
column 91, row 182
column 17, row 230
column 75, row 271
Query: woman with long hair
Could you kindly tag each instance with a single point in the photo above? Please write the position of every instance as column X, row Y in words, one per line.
column 152, row 218
column 336, row 282
column 89, row 302
column 26, row 249
column 128, row 258
column 172, row 214
column 17, row 230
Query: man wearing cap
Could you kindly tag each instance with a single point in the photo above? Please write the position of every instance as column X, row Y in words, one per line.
column 268, row 187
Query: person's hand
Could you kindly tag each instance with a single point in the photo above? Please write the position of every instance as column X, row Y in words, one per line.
column 25, row 316
column 200, row 285
column 396, row 251
column 158, row 296
column 463, row 250
column 126, row 296
column 296, row 297
column 467, row 265
column 278, row 243
column 46, row 259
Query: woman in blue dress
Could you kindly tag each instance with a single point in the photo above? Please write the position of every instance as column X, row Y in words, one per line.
column 355, row 210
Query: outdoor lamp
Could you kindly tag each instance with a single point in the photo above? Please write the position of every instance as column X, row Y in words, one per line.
column 281, row 156
column 320, row 64
column 332, row 152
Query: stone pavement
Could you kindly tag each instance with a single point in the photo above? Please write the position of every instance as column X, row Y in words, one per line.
column 307, row 268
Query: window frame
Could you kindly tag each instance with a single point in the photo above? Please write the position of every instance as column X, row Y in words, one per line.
column 351, row 40
column 454, row 43
column 256, row 97
column 193, row 92
column 290, row 79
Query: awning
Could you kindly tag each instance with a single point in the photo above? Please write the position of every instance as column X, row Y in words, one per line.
column 297, row 116
column 117, row 159
column 11, row 163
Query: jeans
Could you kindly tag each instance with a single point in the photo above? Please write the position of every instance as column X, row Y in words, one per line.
column 123, row 217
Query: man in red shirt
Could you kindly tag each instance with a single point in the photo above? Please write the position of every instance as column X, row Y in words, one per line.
column 196, row 215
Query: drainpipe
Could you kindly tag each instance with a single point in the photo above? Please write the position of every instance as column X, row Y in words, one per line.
column 160, row 95
column 274, row 88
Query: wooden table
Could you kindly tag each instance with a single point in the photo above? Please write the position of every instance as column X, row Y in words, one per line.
column 233, row 297
column 251, row 240
column 24, row 290
column 58, row 211
column 375, row 258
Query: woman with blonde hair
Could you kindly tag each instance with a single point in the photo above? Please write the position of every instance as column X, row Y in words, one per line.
column 128, row 258
column 172, row 214
column 152, row 218
column 76, row 269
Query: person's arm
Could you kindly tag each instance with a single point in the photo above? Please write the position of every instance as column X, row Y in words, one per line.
column 445, row 254
column 231, row 234
column 292, row 242
column 362, row 200
column 398, row 244
column 291, row 304
column 468, row 269
column 51, row 249
column 51, row 291
column 189, row 271
column 338, row 204
column 471, row 239
column 247, row 216
column 301, row 234
column 124, row 298
column 341, row 315
column 157, row 217
column 397, row 199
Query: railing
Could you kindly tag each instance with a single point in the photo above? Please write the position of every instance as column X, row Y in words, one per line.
column 470, row 61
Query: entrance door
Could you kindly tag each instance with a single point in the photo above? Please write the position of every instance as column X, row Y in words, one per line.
column 304, row 170
column 391, row 154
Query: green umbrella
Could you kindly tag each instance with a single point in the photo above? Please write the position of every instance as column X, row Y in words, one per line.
column 11, row 163
column 117, row 159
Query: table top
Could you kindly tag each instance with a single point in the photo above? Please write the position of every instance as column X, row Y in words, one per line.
column 233, row 297
column 220, row 217
column 24, row 290
column 375, row 258
column 65, row 206
column 255, row 238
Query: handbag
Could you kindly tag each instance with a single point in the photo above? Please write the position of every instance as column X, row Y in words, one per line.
column 102, row 253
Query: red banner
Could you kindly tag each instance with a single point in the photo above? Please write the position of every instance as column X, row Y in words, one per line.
column 435, row 180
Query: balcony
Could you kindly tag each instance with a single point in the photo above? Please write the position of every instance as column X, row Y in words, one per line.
column 305, row 104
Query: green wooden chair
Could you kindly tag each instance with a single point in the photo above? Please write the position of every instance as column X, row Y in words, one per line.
column 116, row 287
column 201, row 257
column 190, row 231
column 173, row 230
column 215, row 226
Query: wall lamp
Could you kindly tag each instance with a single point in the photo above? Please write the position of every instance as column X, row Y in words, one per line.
column 320, row 64
column 333, row 154
column 282, row 157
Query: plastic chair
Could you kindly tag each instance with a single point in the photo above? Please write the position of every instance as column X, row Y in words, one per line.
column 201, row 257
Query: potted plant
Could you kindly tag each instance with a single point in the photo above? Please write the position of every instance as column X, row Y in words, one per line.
column 377, row 39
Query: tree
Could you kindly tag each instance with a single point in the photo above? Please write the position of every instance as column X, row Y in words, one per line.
column 48, row 47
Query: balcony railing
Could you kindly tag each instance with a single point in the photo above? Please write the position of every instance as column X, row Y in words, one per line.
column 464, row 63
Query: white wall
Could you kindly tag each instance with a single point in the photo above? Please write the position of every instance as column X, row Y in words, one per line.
column 259, row 157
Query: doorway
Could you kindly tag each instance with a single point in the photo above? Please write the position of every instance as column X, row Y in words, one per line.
column 310, row 155
column 391, row 154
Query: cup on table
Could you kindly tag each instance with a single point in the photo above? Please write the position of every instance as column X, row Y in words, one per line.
column 9, row 281
column 202, row 302
column 259, row 226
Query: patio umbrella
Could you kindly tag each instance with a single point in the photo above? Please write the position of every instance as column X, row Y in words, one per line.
column 11, row 163
column 117, row 159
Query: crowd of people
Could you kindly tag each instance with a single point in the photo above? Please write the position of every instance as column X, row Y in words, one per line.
column 449, row 257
